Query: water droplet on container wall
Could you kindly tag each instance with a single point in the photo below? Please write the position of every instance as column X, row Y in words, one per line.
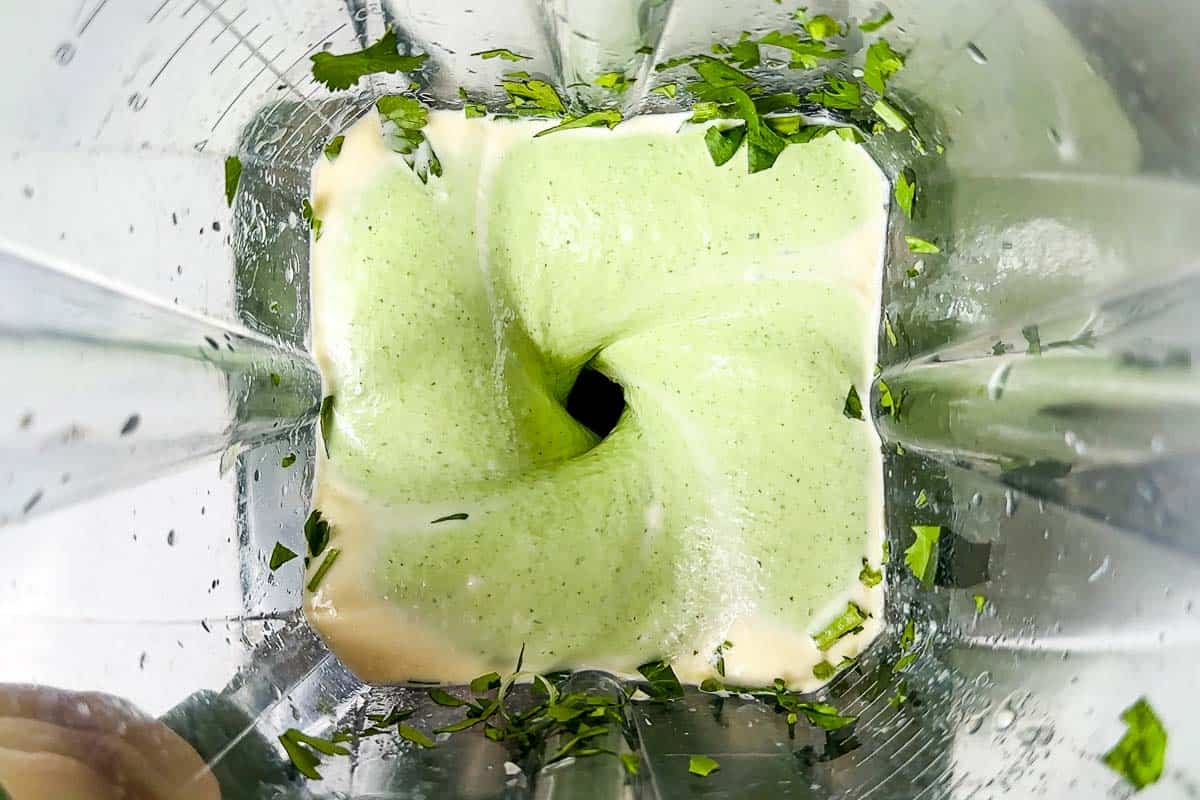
column 64, row 53
column 976, row 54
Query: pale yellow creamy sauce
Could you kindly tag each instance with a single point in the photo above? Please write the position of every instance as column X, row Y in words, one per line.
column 733, row 501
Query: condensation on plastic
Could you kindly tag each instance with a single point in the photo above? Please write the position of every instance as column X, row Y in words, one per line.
column 154, row 341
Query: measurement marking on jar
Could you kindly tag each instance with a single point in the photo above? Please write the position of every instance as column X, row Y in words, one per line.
column 92, row 17
column 186, row 39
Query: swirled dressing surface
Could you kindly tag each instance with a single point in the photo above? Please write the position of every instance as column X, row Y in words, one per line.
column 733, row 500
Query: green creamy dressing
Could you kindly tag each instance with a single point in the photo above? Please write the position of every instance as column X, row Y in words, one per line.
column 452, row 318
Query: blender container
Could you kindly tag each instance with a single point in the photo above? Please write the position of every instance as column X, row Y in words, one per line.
column 154, row 340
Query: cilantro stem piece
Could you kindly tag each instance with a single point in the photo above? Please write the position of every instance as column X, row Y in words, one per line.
column 1138, row 757
column 233, row 176
column 662, row 683
column 1033, row 340
column 850, row 620
column 853, row 407
column 330, row 557
column 334, row 148
column 502, row 53
column 890, row 115
column 921, row 556
column 702, row 766
column 345, row 70
column 280, row 556
column 610, row 117
column 918, row 245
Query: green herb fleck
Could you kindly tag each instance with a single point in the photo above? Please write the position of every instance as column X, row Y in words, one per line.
column 980, row 603
column 1000, row 348
column 334, row 148
column 891, row 116
column 823, row 671
column 922, row 499
column 316, row 533
column 275, row 379
column 310, row 218
column 444, row 698
column 918, row 245
column 853, row 406
column 849, row 621
column 806, row 54
column 616, row 81
column 533, row 97
column 908, row 636
column 889, row 331
column 868, row 576
column 501, row 53
column 330, row 557
column 702, row 766
column 474, row 110
column 280, row 556
column 288, row 460
column 823, row 26
column 1033, row 339
column 838, row 93
column 343, row 71
column 233, row 175
column 723, row 144
column 666, row 90
column 921, row 556
column 485, row 683
column 408, row 115
column 906, row 193
column 297, row 745
column 326, row 416
column 882, row 63
column 661, row 681
column 872, row 25
column 610, row 117
column 631, row 762
column 1139, row 756
column 413, row 735
column 461, row 515
column 824, row 716
column 901, row 695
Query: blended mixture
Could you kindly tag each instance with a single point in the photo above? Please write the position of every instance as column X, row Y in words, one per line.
column 734, row 502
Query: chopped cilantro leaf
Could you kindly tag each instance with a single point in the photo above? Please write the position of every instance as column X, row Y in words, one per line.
column 805, row 54
column 474, row 110
column 853, row 407
column 408, row 115
column 882, row 63
column 661, row 681
column 461, row 515
column 631, row 762
column 288, row 460
column 316, row 533
column 485, row 683
column 921, row 556
column 330, row 557
column 334, row 148
column 702, row 766
column 666, row 90
column 745, row 53
column 838, row 93
column 610, row 117
column 276, row 379
column 824, row 716
column 891, row 116
column 280, row 556
column 872, row 25
column 413, row 735
column 980, row 603
column 908, row 636
column 922, row 499
column 343, row 71
column 724, row 144
column 763, row 144
column 779, row 101
column 310, row 218
column 718, row 74
column 868, row 576
column 531, row 96
column 1033, row 339
column 823, row 671
column 616, row 81
column 844, row 624
column 889, row 331
column 233, row 175
column 906, row 192
column 502, row 53
column 822, row 26
column 1000, row 348
column 1138, row 757
column 918, row 245
column 444, row 698
column 297, row 745
column 901, row 695
column 326, row 415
